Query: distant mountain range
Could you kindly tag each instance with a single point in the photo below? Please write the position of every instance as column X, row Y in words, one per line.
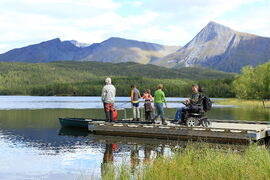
column 215, row 46
column 219, row 47
column 114, row 50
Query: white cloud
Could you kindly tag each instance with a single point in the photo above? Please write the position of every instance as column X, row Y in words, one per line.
column 170, row 35
column 136, row 3
column 171, row 22
column 258, row 23
column 22, row 26
column 100, row 4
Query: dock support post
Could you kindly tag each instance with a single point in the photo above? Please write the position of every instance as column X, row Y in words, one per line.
column 267, row 138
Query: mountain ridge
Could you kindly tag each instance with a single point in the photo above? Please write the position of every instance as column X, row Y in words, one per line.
column 114, row 50
column 216, row 47
column 222, row 48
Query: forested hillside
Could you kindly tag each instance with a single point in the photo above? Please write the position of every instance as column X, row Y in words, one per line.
column 87, row 78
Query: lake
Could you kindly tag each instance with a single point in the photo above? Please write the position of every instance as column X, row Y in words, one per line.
column 34, row 146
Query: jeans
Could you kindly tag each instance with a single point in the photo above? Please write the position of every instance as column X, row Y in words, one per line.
column 159, row 110
column 179, row 113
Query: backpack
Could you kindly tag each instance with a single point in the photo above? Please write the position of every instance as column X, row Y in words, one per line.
column 207, row 103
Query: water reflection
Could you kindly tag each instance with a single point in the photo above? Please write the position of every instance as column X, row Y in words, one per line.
column 34, row 146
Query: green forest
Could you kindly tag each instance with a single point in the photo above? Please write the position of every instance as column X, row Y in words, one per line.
column 253, row 83
column 87, row 79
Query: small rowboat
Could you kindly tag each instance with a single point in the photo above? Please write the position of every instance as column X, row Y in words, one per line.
column 83, row 122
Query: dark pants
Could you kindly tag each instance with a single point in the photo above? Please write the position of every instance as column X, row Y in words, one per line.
column 108, row 108
column 148, row 115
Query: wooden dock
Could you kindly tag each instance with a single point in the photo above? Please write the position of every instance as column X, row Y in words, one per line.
column 221, row 131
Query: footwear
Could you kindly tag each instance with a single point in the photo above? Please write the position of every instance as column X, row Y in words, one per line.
column 153, row 120
column 138, row 119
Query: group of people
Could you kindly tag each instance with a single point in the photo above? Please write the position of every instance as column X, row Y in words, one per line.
column 159, row 99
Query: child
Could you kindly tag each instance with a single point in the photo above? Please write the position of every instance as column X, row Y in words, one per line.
column 147, row 105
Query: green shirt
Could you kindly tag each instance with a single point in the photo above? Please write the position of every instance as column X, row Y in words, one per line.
column 159, row 96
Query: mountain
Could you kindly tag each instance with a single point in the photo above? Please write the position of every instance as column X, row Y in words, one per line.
column 47, row 51
column 219, row 47
column 113, row 50
column 117, row 50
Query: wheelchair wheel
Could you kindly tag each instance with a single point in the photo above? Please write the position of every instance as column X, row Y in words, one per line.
column 191, row 122
column 206, row 123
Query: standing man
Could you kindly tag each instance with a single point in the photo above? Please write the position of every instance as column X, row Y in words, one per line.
column 159, row 99
column 107, row 97
column 134, row 98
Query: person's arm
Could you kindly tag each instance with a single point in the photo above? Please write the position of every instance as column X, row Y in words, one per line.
column 114, row 92
column 103, row 93
column 140, row 95
column 131, row 95
column 144, row 96
column 151, row 98
column 164, row 99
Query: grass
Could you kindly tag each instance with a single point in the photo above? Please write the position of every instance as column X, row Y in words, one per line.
column 196, row 162
column 241, row 102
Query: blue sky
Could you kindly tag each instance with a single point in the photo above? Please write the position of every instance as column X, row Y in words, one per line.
column 170, row 22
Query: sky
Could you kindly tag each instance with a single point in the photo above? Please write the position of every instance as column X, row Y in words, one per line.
column 168, row 22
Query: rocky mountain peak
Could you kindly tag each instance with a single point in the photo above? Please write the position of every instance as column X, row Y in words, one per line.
column 213, row 31
column 52, row 41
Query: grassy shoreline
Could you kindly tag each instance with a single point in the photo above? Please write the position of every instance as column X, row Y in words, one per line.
column 201, row 163
column 241, row 102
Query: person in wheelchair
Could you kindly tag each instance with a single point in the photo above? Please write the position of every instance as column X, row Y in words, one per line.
column 192, row 105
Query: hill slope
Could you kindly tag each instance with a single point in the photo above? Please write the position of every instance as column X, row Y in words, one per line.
column 87, row 78
column 82, row 71
column 113, row 50
column 219, row 47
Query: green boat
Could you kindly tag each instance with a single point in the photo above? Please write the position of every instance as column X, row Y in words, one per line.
column 83, row 122
column 74, row 122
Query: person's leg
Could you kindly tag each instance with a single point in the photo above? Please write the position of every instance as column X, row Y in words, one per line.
column 111, row 112
column 183, row 113
column 150, row 115
column 146, row 113
column 178, row 114
column 156, row 112
column 134, row 111
column 162, row 113
column 107, row 111
column 138, row 112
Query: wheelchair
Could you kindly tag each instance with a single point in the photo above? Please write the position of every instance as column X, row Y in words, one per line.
column 194, row 116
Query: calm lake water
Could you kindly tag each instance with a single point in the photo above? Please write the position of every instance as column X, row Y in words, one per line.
column 33, row 145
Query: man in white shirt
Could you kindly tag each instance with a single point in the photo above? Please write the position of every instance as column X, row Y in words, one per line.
column 108, row 97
